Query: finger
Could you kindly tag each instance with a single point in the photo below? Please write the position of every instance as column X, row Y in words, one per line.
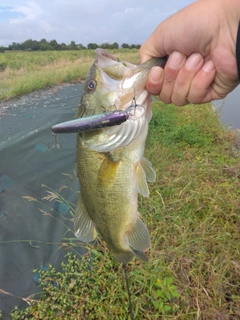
column 201, row 89
column 171, row 70
column 155, row 80
column 184, row 79
column 149, row 48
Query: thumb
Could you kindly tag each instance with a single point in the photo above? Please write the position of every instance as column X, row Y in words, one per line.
column 154, row 45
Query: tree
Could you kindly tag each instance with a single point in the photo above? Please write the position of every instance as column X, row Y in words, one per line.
column 92, row 46
column 45, row 46
column 72, row 46
column 115, row 45
column 104, row 45
column 132, row 46
column 63, row 46
column 107, row 45
column 54, row 45
column 81, row 46
column 125, row 45
column 15, row 46
column 30, row 45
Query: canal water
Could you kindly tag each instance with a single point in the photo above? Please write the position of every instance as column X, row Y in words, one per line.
column 229, row 109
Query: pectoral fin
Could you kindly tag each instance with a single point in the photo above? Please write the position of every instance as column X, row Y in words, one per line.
column 107, row 172
column 84, row 227
column 148, row 169
column 139, row 237
column 145, row 172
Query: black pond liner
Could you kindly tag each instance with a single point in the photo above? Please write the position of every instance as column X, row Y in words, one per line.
column 29, row 238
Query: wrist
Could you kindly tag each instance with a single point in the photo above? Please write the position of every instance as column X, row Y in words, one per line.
column 238, row 51
column 229, row 31
column 232, row 11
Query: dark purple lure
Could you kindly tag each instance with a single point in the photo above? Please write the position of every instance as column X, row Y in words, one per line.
column 94, row 122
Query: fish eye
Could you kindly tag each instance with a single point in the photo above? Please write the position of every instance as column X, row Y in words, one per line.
column 91, row 84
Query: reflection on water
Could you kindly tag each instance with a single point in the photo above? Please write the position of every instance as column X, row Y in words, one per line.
column 229, row 109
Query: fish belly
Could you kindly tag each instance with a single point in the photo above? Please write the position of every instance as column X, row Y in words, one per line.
column 109, row 195
column 108, row 191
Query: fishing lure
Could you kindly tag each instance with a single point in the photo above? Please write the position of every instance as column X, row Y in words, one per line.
column 93, row 122
column 107, row 119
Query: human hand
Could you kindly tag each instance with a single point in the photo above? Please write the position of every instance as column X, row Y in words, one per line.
column 201, row 43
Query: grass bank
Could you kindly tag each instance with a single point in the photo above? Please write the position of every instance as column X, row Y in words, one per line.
column 22, row 72
column 193, row 214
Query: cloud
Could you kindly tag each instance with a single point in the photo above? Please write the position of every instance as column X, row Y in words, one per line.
column 31, row 11
column 83, row 21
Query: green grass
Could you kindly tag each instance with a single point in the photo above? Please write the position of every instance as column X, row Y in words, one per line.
column 23, row 72
column 193, row 214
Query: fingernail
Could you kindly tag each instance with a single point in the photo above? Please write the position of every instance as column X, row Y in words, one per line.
column 155, row 79
column 176, row 60
column 193, row 61
column 208, row 66
column 155, row 75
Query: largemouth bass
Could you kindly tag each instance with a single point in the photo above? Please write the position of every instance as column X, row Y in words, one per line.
column 111, row 167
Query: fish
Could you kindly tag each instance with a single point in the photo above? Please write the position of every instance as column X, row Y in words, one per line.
column 111, row 166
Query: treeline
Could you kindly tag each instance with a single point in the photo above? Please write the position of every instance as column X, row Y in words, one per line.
column 44, row 45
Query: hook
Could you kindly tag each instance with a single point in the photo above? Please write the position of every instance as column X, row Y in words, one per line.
column 135, row 111
column 57, row 144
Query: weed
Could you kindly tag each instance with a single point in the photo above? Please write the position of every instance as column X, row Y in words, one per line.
column 3, row 66
column 163, row 297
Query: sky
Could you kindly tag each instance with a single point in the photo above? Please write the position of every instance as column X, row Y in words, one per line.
column 83, row 21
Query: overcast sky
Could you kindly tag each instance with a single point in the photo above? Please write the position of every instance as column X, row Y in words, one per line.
column 83, row 21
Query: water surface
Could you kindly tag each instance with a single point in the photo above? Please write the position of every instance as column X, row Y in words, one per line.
column 229, row 109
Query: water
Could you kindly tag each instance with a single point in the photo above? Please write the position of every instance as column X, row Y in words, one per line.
column 229, row 109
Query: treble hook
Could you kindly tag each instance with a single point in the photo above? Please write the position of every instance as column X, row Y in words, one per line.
column 131, row 110
column 134, row 102
column 57, row 144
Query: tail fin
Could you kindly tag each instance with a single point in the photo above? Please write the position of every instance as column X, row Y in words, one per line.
column 125, row 257
column 139, row 237
column 140, row 255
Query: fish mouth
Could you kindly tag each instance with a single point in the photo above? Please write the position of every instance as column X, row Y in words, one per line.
column 103, row 53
